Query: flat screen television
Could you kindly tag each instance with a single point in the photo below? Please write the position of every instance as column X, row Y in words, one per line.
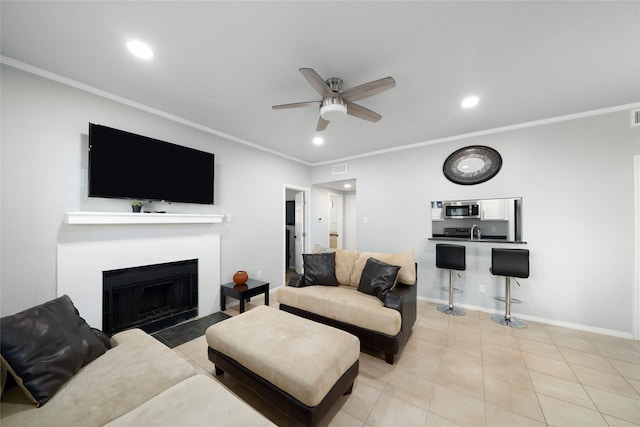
column 129, row 166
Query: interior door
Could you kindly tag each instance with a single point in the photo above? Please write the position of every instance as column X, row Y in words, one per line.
column 335, row 221
column 299, row 228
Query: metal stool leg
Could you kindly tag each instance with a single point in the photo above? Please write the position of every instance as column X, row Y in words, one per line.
column 507, row 320
column 450, row 309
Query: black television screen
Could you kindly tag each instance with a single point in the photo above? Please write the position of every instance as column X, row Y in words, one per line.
column 130, row 166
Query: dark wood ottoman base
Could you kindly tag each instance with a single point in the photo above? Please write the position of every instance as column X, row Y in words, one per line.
column 284, row 402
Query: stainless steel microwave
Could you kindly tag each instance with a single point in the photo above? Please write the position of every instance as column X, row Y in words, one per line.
column 461, row 210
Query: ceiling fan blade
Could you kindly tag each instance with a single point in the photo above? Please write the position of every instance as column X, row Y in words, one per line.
column 316, row 81
column 361, row 112
column 297, row 105
column 368, row 89
column 322, row 124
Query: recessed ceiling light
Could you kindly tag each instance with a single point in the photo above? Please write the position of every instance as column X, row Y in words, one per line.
column 470, row 102
column 140, row 49
column 347, row 186
column 318, row 140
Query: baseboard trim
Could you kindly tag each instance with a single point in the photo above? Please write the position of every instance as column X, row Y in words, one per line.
column 552, row 322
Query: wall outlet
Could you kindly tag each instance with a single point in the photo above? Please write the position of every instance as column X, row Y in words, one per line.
column 228, row 217
column 481, row 289
column 259, row 274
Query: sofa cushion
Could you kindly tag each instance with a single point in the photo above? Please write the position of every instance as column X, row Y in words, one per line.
column 345, row 304
column 197, row 401
column 44, row 346
column 405, row 260
column 137, row 368
column 3, row 377
column 378, row 278
column 320, row 269
column 345, row 260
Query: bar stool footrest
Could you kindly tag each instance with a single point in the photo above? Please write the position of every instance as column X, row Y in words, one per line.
column 455, row 290
column 503, row 299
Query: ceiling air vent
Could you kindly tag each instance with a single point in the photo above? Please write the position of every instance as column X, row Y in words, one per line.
column 338, row 169
column 635, row 117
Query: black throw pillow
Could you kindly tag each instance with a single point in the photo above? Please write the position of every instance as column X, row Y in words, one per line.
column 46, row 345
column 378, row 278
column 320, row 269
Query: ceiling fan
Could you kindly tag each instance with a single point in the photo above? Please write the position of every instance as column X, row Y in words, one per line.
column 335, row 104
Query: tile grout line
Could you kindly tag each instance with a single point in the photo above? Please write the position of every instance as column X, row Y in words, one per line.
column 544, row 416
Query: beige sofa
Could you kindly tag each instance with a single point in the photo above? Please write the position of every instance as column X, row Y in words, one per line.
column 138, row 382
column 383, row 325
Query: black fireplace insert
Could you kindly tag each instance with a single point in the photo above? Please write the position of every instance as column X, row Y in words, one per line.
column 150, row 297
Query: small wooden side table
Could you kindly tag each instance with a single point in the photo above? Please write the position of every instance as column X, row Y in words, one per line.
column 243, row 292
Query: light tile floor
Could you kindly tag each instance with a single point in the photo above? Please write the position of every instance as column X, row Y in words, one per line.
column 470, row 371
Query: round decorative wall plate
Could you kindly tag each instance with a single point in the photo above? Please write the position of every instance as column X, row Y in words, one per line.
column 472, row 165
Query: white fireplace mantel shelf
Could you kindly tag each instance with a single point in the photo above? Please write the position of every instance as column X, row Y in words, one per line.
column 86, row 218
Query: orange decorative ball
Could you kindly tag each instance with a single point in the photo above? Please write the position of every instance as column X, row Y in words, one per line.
column 240, row 277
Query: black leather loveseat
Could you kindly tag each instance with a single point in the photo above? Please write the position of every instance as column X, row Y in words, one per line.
column 381, row 322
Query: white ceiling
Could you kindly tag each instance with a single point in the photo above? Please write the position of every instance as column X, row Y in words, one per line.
column 340, row 185
column 223, row 65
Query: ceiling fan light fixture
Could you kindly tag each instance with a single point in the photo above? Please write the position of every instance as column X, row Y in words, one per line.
column 335, row 104
column 332, row 112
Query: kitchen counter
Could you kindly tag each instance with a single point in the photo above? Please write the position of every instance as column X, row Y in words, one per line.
column 486, row 239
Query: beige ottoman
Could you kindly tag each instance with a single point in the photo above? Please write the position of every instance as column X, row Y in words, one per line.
column 299, row 366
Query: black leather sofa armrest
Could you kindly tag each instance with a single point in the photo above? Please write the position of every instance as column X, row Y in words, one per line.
column 403, row 298
column 400, row 292
column 296, row 281
column 396, row 297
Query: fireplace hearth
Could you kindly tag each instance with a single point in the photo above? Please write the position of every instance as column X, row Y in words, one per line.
column 151, row 297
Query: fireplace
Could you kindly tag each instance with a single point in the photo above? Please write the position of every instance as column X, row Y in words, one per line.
column 83, row 257
column 150, row 297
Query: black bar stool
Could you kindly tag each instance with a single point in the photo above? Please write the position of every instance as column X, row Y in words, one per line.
column 453, row 258
column 509, row 263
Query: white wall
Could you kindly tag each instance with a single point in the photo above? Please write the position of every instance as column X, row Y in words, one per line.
column 576, row 180
column 44, row 154
column 575, row 177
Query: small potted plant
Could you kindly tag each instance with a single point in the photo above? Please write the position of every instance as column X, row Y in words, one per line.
column 136, row 206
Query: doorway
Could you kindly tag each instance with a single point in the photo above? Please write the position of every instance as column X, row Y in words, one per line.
column 336, row 224
column 334, row 214
column 350, row 236
column 296, row 229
